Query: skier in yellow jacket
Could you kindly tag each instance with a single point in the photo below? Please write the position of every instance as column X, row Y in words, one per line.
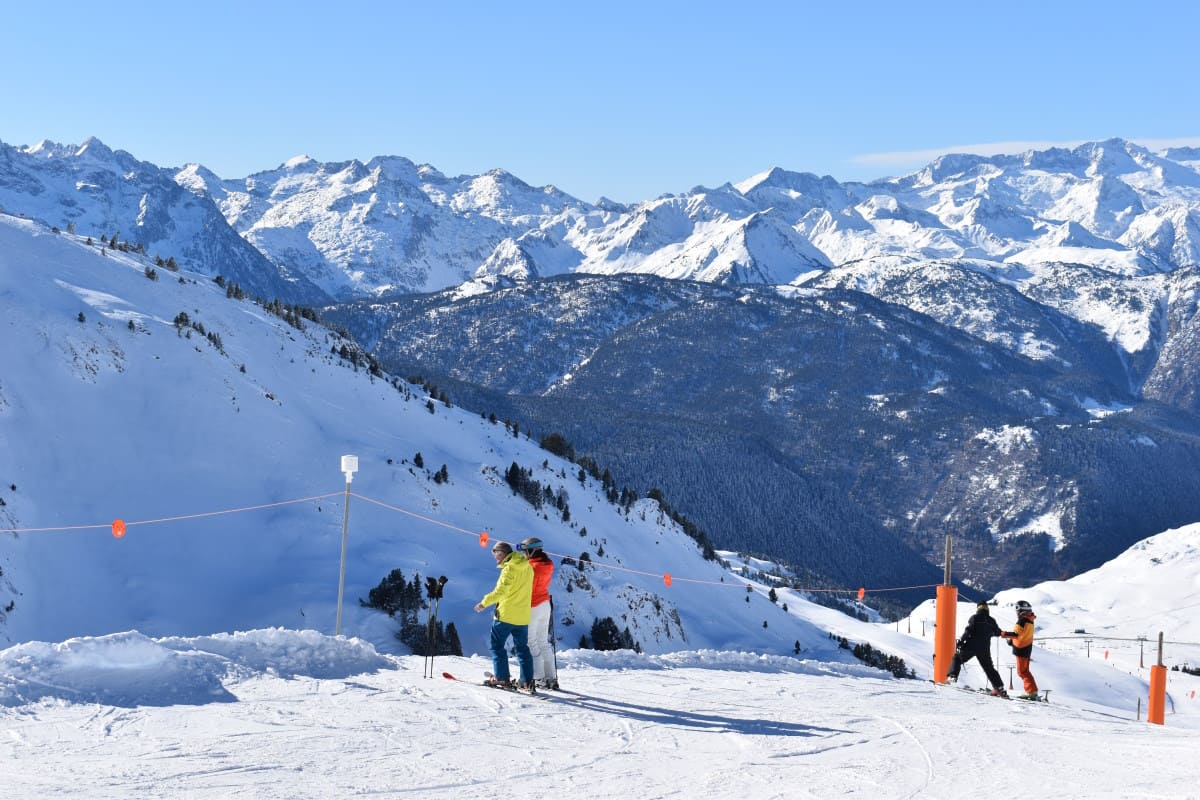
column 511, row 597
column 1020, row 638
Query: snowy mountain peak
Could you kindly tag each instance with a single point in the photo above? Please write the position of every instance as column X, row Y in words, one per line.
column 300, row 162
column 48, row 149
column 779, row 178
column 95, row 149
column 199, row 179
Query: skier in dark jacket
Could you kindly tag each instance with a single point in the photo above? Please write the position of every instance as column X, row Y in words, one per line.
column 976, row 642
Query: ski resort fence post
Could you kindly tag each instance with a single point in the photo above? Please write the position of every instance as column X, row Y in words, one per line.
column 349, row 467
column 943, row 637
column 1158, row 688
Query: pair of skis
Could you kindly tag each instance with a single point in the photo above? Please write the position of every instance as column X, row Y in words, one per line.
column 1041, row 697
column 487, row 681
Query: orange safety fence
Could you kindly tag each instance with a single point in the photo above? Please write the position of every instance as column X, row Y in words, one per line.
column 119, row 527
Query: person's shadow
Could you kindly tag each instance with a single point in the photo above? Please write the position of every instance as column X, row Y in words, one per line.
column 688, row 719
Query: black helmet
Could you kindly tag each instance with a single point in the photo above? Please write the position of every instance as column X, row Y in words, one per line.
column 982, row 608
column 530, row 544
column 1023, row 606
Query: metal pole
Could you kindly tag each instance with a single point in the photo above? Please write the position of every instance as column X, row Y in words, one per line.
column 342, row 571
column 946, row 581
column 349, row 467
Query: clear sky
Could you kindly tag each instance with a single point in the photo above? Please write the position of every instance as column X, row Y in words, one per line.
column 628, row 100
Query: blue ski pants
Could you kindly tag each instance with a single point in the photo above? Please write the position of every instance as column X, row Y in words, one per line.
column 520, row 636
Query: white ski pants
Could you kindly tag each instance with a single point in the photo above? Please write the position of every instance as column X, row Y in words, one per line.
column 539, row 643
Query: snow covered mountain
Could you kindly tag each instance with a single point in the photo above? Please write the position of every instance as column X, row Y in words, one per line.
column 96, row 191
column 820, row 425
column 390, row 225
column 213, row 426
column 1059, row 284
column 1096, row 234
column 1093, row 232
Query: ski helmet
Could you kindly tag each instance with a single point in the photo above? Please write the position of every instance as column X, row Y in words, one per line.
column 530, row 544
column 982, row 608
column 1023, row 606
column 502, row 547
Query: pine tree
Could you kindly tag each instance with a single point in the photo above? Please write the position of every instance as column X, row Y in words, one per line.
column 605, row 635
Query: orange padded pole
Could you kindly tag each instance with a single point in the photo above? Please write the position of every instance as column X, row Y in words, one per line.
column 1158, row 694
column 1158, row 689
column 943, row 640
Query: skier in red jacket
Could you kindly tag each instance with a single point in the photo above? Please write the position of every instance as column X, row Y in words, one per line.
column 545, row 670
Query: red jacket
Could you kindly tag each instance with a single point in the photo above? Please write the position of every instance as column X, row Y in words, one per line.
column 543, row 571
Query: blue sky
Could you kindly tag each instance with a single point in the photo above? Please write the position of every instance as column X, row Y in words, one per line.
column 622, row 99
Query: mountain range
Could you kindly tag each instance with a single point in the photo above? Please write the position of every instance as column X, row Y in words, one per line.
column 1002, row 349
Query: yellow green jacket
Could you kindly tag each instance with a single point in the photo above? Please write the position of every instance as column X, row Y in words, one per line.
column 514, row 589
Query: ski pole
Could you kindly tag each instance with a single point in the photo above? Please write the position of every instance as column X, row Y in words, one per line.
column 431, row 593
column 433, row 634
column 553, row 644
column 428, row 661
column 434, row 589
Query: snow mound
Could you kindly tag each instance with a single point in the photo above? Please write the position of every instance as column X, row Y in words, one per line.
column 130, row 669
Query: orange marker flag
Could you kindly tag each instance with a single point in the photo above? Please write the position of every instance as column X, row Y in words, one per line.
column 862, row 592
column 667, row 578
column 483, row 539
column 118, row 528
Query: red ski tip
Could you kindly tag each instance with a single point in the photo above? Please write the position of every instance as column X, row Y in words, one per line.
column 448, row 676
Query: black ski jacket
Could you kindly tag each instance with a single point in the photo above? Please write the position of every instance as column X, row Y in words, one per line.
column 977, row 636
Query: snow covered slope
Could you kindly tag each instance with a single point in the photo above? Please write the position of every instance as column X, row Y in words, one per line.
column 318, row 716
column 157, row 398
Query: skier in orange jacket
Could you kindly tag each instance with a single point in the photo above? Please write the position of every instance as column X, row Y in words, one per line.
column 1020, row 638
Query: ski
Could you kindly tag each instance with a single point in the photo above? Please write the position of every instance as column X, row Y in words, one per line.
column 489, row 677
column 1041, row 697
column 486, row 684
column 973, row 690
